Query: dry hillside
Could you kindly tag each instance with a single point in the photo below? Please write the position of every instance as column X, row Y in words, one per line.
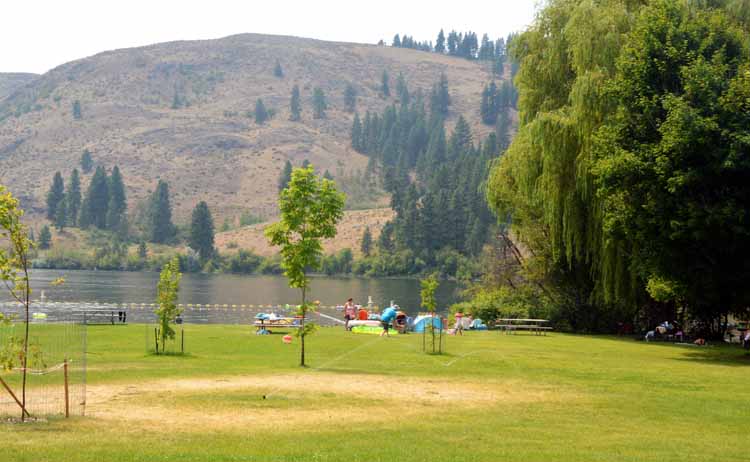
column 208, row 148
column 349, row 234
column 12, row 81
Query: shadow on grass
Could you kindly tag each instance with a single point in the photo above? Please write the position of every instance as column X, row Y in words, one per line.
column 723, row 356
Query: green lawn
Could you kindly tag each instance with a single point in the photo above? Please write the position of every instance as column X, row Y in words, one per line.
column 240, row 397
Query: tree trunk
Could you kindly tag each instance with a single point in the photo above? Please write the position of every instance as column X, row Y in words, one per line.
column 302, row 326
column 27, row 301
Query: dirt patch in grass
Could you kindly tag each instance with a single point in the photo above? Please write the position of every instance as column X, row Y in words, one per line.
column 294, row 400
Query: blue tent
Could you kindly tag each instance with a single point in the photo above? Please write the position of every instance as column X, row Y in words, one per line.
column 420, row 322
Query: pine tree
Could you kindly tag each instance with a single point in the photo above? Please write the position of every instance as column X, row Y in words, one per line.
column 286, row 175
column 202, row 231
column 61, row 215
column 84, row 216
column 461, row 140
column 319, row 104
column 385, row 90
column 73, row 198
column 161, row 229
column 142, row 250
column 77, row 115
column 261, row 114
column 350, row 98
column 440, row 42
column 277, row 71
column 357, row 134
column 305, row 163
column 440, row 97
column 295, row 105
column 327, row 175
column 117, row 206
column 55, row 195
column 97, row 199
column 402, row 89
column 397, row 41
column 45, row 238
column 366, row 246
column 87, row 163
column 453, row 40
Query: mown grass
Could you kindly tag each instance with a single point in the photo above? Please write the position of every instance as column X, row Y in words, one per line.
column 585, row 399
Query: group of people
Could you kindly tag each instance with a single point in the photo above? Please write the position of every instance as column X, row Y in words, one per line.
column 386, row 317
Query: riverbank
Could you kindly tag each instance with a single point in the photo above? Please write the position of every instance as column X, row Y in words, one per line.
column 238, row 396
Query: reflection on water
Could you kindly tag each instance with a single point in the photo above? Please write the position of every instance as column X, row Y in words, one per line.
column 137, row 287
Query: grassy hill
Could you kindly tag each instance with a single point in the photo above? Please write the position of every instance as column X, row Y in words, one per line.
column 180, row 111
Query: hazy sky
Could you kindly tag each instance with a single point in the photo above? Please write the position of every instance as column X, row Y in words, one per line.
column 37, row 35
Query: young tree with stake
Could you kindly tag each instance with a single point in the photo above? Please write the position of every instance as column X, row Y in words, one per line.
column 14, row 272
column 310, row 209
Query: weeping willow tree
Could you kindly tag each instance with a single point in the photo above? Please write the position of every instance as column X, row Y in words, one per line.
column 544, row 181
column 550, row 185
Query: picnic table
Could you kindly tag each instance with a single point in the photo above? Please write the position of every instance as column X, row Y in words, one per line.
column 275, row 323
column 512, row 325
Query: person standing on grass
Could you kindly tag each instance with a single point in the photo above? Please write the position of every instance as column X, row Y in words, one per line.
column 385, row 319
column 350, row 312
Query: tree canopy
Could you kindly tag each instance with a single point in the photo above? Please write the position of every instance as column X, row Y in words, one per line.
column 627, row 176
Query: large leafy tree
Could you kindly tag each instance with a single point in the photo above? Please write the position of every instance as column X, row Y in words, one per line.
column 202, row 231
column 674, row 167
column 310, row 209
column 618, row 139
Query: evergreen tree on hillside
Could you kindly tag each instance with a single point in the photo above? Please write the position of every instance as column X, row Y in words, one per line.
column 440, row 97
column 202, row 231
column 461, row 138
column 305, row 163
column 366, row 245
column 385, row 90
column 350, row 98
column 61, row 215
column 77, row 115
column 97, row 198
column 286, row 175
column 55, row 195
column 73, row 198
column 357, row 134
column 161, row 229
column 295, row 105
column 117, row 206
column 319, row 104
column 45, row 238
column 87, row 163
column 277, row 71
column 84, row 216
column 261, row 114
column 440, row 42
column 402, row 89
column 452, row 42
column 396, row 41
